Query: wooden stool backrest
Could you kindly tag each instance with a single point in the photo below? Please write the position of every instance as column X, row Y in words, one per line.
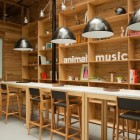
column 128, row 104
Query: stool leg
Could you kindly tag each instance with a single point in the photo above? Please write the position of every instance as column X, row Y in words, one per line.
column 114, row 122
column 136, row 130
column 123, row 128
column 12, row 105
column 18, row 103
column 41, row 120
column 52, row 122
column 80, row 120
column 58, row 109
column 67, row 123
column 117, row 133
column 7, row 108
column 127, row 125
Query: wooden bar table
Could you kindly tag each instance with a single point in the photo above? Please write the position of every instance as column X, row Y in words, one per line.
column 72, row 90
column 105, row 96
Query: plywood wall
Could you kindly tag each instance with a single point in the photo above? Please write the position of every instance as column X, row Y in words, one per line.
column 11, row 59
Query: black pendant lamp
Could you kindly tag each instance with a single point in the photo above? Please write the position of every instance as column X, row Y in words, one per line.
column 97, row 28
column 23, row 45
column 63, row 35
column 134, row 23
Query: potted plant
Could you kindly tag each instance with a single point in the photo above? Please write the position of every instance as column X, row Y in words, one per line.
column 119, row 79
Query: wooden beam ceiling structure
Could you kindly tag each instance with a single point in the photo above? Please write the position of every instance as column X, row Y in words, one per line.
column 15, row 10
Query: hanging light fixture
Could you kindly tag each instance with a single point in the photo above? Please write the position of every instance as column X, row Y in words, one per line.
column 23, row 45
column 42, row 14
column 97, row 28
column 134, row 23
column 63, row 35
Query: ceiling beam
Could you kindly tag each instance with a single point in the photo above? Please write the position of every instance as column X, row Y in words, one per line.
column 12, row 3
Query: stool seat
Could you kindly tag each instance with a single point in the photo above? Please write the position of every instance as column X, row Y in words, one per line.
column 131, row 115
column 38, row 99
column 63, row 104
column 5, row 93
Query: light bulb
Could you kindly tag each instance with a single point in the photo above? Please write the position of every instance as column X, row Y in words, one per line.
column 63, row 7
column 25, row 20
column 42, row 13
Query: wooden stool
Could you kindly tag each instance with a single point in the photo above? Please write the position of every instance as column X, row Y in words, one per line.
column 10, row 95
column 71, row 98
column 131, row 108
column 61, row 99
column 36, row 96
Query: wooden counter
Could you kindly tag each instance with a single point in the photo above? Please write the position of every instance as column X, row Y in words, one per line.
column 86, row 93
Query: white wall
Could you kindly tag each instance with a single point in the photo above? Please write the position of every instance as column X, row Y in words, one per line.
column 0, row 58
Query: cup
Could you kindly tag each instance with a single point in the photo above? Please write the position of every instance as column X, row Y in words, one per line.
column 76, row 78
column 43, row 47
column 70, row 78
column 47, row 32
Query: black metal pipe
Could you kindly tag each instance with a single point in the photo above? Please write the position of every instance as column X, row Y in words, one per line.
column 53, row 45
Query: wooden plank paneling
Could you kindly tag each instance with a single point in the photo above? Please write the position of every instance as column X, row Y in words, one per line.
column 11, row 59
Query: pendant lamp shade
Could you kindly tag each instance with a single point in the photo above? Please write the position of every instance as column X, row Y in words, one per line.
column 97, row 28
column 23, row 45
column 134, row 23
column 63, row 35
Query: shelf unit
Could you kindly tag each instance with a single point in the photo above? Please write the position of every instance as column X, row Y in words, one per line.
column 45, row 34
column 29, row 58
column 90, row 47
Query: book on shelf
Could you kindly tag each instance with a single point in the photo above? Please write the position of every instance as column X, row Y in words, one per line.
column 42, row 60
column 43, row 76
column 134, row 76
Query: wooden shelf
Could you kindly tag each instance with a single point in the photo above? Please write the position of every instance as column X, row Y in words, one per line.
column 135, row 37
column 134, row 60
column 46, row 50
column 32, row 38
column 115, row 83
column 46, row 35
column 29, row 65
column 75, row 45
column 74, row 81
column 117, row 18
column 78, row 27
column 110, row 40
column 136, row 84
column 109, row 61
column 79, row 63
column 29, row 79
column 45, row 79
column 46, row 65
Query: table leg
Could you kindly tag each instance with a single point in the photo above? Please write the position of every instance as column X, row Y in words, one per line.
column 28, row 107
column 105, row 120
column 86, row 118
column 83, row 116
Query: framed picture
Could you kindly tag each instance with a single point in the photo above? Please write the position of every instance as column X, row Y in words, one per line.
column 84, row 72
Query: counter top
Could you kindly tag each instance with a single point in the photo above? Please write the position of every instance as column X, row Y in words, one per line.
column 85, row 89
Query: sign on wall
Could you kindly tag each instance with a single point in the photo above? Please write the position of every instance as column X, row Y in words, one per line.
column 0, row 58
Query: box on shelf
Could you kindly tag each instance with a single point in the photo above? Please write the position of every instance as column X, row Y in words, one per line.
column 48, row 45
column 134, row 76
column 42, row 60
